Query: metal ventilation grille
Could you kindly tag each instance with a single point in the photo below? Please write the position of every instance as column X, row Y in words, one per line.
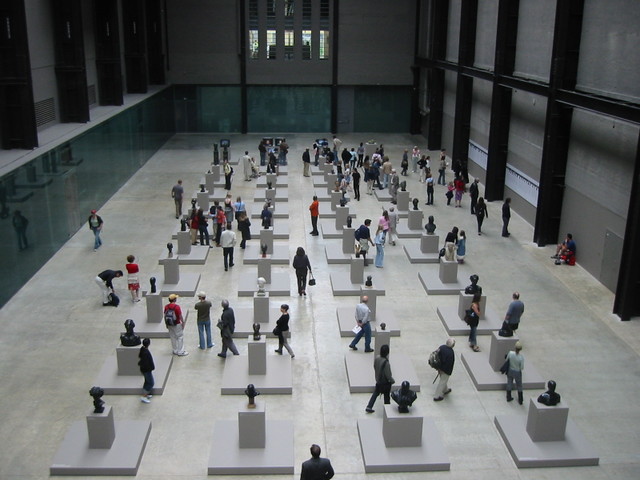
column 91, row 93
column 45, row 112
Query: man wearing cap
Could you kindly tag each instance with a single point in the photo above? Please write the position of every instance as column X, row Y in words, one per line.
column 227, row 325
column 203, row 308
column 176, row 331
column 95, row 224
column 176, row 193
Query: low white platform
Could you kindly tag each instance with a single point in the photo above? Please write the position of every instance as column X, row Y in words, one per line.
column 431, row 456
column 328, row 229
column 227, row 458
column 322, row 194
column 324, row 209
column 341, row 281
column 280, row 211
column 186, row 287
column 361, row 376
column 403, row 231
column 574, row 450
column 280, row 284
column 432, row 284
column 485, row 378
column 280, row 230
column 382, row 195
column 454, row 325
column 281, row 194
column 415, row 255
column 197, row 256
column 282, row 180
column 75, row 458
column 277, row 380
column 152, row 329
column 346, row 321
column 245, row 319
column 114, row 384
column 280, row 255
column 334, row 254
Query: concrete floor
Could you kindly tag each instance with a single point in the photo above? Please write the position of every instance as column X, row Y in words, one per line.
column 56, row 336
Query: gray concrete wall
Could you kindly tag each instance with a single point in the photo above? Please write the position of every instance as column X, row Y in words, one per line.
column 535, row 38
column 486, row 36
column 41, row 50
column 453, row 31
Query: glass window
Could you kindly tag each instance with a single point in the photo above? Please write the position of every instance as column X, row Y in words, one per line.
column 254, row 45
column 288, row 44
column 306, row 44
column 288, row 8
column 324, row 45
column 271, row 44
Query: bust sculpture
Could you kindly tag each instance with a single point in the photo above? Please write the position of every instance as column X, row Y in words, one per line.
column 152, row 281
column 170, row 248
column 383, row 326
column 193, row 204
column 98, row 403
column 349, row 221
column 263, row 249
column 550, row 397
column 202, row 188
column 369, row 282
column 404, row 397
column 430, row 227
column 256, row 331
column 415, row 203
column 474, row 287
column 183, row 225
column 129, row 338
column 251, row 393
column 269, row 185
column 261, row 283
column 403, row 186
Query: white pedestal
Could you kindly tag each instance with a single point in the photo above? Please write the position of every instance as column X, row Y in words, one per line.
column 266, row 238
column 356, row 272
column 335, row 200
column 261, row 308
column 402, row 200
column 101, row 428
column 448, row 272
column 203, row 200
column 257, row 355
column 402, row 429
column 430, row 243
column 252, row 425
column 127, row 359
column 341, row 217
column 414, row 220
column 264, row 268
column 172, row 270
column 184, row 243
column 348, row 240
column 545, row 423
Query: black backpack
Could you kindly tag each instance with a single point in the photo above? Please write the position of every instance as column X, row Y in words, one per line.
column 358, row 233
column 434, row 359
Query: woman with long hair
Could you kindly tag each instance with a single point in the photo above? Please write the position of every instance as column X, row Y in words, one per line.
column 301, row 265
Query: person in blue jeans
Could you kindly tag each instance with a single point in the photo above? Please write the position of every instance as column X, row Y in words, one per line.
column 379, row 241
column 95, row 224
column 363, row 316
column 147, row 367
column 203, row 307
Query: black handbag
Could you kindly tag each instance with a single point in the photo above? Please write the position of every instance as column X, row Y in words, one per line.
column 504, row 369
column 276, row 331
column 312, row 281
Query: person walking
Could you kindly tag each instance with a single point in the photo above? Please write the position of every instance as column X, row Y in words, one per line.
column 145, row 362
column 246, row 166
column 506, row 216
column 384, row 379
column 301, row 265
column 514, row 374
column 177, row 192
column 363, row 236
column 314, row 210
column 481, row 213
column 203, row 308
column 472, row 319
column 474, row 193
column 415, row 156
column 228, row 241
column 363, row 316
column 282, row 326
column 316, row 468
column 379, row 242
column 174, row 321
column 227, row 326
column 306, row 163
column 447, row 360
column 95, row 225
column 244, row 226
column 459, row 191
column 133, row 281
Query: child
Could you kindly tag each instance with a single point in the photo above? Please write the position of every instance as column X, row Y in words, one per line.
column 146, row 368
column 462, row 246
column 133, row 282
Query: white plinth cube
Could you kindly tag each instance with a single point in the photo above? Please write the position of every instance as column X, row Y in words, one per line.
column 184, row 243
column 155, row 308
column 341, row 217
column 357, row 270
column 335, row 199
column 252, row 432
column 171, row 271
column 257, row 355
column 500, row 346
column 203, row 200
column 127, row 359
column 402, row 201
column 464, row 303
column 266, row 238
column 401, row 429
column 448, row 271
column 546, row 424
column 348, row 240
column 261, row 308
column 264, row 268
column 429, row 243
column 414, row 221
column 101, row 428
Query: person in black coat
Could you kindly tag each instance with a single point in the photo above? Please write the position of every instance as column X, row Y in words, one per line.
column 316, row 468
column 301, row 265
column 506, row 216
column 447, row 359
column 147, row 367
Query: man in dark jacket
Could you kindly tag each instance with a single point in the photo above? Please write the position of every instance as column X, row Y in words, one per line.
column 506, row 216
column 104, row 280
column 316, row 468
column 474, row 193
column 447, row 359
column 227, row 326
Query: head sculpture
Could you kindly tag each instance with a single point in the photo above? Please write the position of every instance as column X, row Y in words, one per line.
column 473, row 288
column 170, row 249
column 550, row 397
column 404, row 397
column 251, row 394
column 263, row 249
column 183, row 225
column 403, row 186
column 152, row 281
column 383, row 326
column 261, row 283
column 349, row 221
column 415, row 203
column 369, row 282
column 193, row 203
column 98, row 403
column 129, row 338
column 256, row 331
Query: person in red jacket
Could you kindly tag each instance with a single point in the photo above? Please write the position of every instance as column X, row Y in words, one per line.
column 314, row 208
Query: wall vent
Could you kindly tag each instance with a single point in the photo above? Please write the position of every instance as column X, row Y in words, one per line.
column 45, row 111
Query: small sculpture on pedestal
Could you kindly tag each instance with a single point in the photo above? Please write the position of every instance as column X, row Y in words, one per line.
column 474, row 287
column 269, row 185
column 261, row 283
column 152, row 281
column 415, row 203
column 183, row 225
column 193, row 204
column 403, row 186
column 343, row 200
column 349, row 221
column 404, row 397
column 202, row 188
column 256, row 331
column 383, row 326
column 430, row 227
column 251, row 393
column 369, row 282
column 550, row 397
column 98, row 403
column 263, row 249
column 170, row 248
column 129, row 338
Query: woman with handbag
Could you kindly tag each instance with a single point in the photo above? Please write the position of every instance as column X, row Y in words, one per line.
column 282, row 325
column 301, row 265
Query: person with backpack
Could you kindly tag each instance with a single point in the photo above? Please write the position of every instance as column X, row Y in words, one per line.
column 363, row 237
column 174, row 322
column 446, row 360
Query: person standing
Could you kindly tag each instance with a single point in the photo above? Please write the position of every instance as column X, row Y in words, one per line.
column 404, row 163
column 282, row 326
column 337, row 144
column 415, row 156
column 194, row 225
column 460, row 188
column 228, row 172
column 514, row 312
column 506, row 216
column 447, row 360
column 360, row 153
column 462, row 246
column 238, row 207
column 387, row 168
column 481, row 213
column 262, row 149
column 356, row 184
column 394, row 218
column 20, row 224
column 203, row 307
column 363, row 236
column 450, row 244
column 283, row 149
column 442, row 167
column 379, row 242
column 221, row 219
column 227, row 326
column 301, row 265
column 429, row 182
column 473, row 320
column 306, row 163
column 516, row 366
column 384, row 379
column 203, row 228
column 316, row 468
column 133, row 281
column 474, row 192
column 363, row 316
column 145, row 362
column 314, row 209
column 95, row 225
column 105, row 282
column 394, row 184
column 177, row 192
column 174, row 321
column 244, row 226
column 228, row 241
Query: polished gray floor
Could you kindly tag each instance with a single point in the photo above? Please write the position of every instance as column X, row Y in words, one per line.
column 56, row 336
